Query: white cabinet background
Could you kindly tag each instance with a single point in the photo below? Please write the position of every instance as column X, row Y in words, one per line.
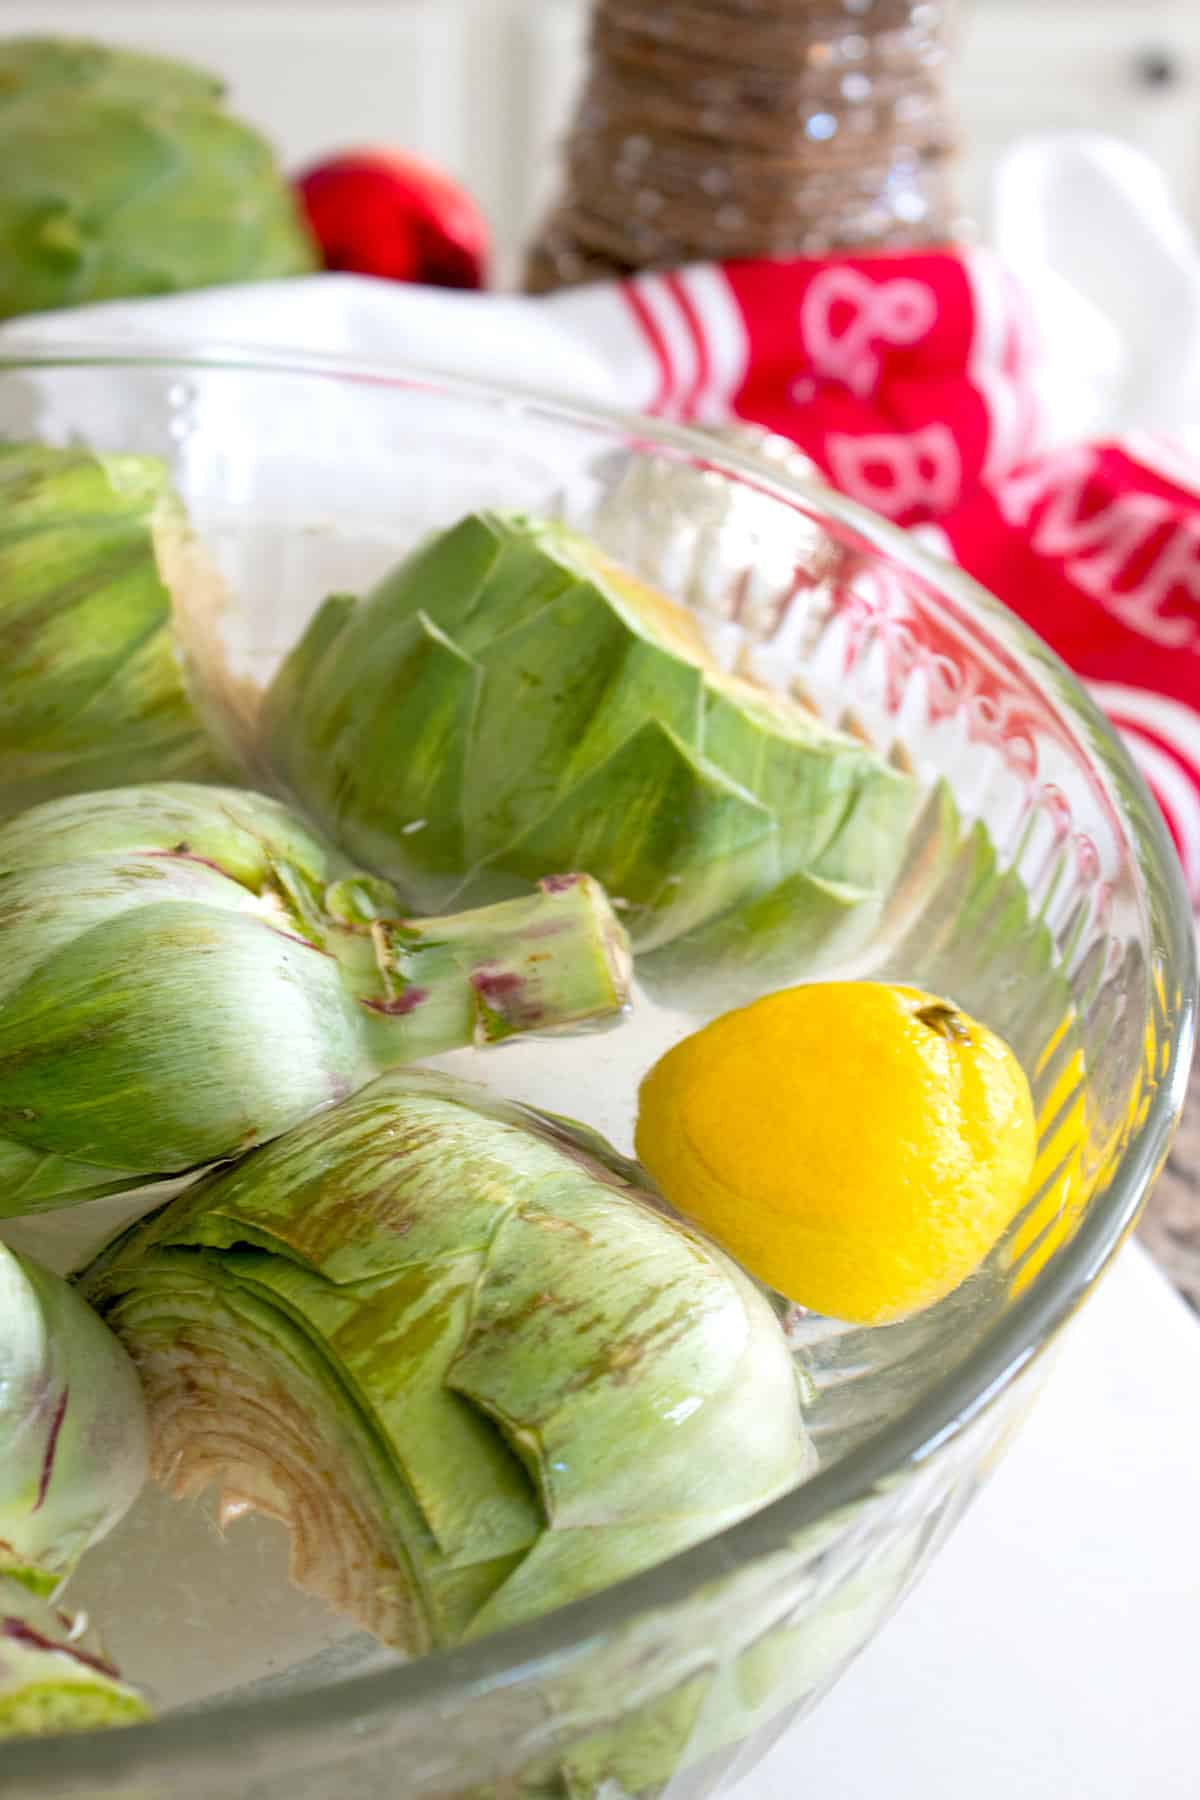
column 483, row 86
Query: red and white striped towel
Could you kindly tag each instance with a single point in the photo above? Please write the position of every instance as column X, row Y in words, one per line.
column 911, row 379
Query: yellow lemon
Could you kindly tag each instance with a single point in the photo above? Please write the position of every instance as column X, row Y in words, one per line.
column 859, row 1147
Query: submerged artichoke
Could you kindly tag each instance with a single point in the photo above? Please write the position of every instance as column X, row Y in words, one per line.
column 51, row 1680
column 458, row 1350
column 184, row 975
column 72, row 1427
column 123, row 174
column 94, row 675
column 507, row 702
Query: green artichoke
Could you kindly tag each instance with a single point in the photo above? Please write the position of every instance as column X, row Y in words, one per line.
column 122, row 174
column 72, row 1426
column 95, row 681
column 50, row 1679
column 507, row 702
column 459, row 1350
column 186, row 972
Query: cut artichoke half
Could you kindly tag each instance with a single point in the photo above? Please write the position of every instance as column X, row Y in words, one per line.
column 186, row 972
column 461, row 1352
column 73, row 1444
column 109, row 620
column 52, row 1679
column 508, row 701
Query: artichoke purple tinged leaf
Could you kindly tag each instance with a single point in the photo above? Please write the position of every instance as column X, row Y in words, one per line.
column 52, row 1679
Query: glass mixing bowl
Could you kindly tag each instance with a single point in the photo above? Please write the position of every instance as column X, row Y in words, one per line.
column 1040, row 890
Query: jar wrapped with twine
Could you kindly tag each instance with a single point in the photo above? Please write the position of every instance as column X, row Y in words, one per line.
column 718, row 129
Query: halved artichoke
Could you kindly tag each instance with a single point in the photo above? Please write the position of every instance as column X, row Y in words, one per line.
column 73, row 1445
column 122, row 174
column 51, row 1678
column 186, row 972
column 105, row 603
column 507, row 701
column 459, row 1350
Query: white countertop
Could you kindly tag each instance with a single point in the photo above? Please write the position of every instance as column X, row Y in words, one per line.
column 1051, row 1651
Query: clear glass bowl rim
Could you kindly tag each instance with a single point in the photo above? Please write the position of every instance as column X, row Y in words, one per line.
column 253, row 1726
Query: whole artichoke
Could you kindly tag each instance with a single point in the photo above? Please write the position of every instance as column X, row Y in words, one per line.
column 102, row 586
column 122, row 174
column 186, row 972
column 457, row 1348
column 507, row 702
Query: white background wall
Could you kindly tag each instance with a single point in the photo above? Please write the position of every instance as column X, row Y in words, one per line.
column 482, row 86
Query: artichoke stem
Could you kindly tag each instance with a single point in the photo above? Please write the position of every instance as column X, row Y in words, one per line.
column 551, row 960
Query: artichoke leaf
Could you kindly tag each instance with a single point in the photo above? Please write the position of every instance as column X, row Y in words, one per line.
column 39, row 917
column 477, row 582
column 840, row 816
column 536, row 737
column 73, row 1445
column 39, row 1180
column 33, row 66
column 392, row 1341
column 119, row 1006
column 659, row 1331
column 246, row 836
column 676, row 837
column 870, row 840
column 400, row 746
column 348, row 645
column 51, row 1679
column 787, row 934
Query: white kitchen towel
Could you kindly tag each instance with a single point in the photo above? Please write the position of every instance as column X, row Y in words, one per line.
column 1113, row 272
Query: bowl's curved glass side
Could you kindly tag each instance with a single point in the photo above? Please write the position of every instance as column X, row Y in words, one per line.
column 768, row 1650
column 677, row 1704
